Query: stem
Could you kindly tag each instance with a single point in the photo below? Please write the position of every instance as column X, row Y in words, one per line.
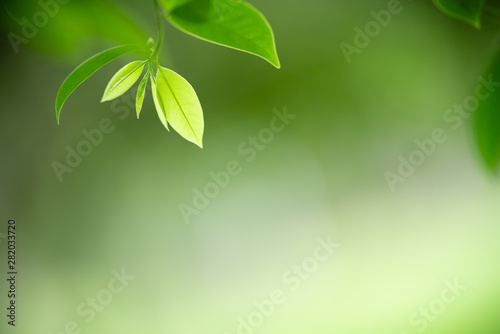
column 159, row 21
column 152, row 72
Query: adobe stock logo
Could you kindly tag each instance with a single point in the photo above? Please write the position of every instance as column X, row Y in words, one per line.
column 248, row 150
column 454, row 117
column 97, row 303
column 29, row 28
column 426, row 315
column 292, row 279
column 84, row 148
column 122, row 107
column 372, row 29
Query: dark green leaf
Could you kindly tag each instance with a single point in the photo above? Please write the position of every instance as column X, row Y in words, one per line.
column 468, row 11
column 86, row 69
column 231, row 23
column 170, row 5
column 487, row 119
column 73, row 23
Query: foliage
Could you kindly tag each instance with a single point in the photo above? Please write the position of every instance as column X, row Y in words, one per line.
column 468, row 11
column 487, row 113
column 231, row 23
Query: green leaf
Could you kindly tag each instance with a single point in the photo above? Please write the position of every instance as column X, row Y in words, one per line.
column 158, row 104
column 170, row 5
column 231, row 23
column 487, row 119
column 468, row 11
column 69, row 28
column 86, row 69
column 181, row 105
column 141, row 90
column 123, row 80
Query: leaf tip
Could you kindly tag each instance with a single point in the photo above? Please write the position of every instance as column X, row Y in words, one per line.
column 273, row 58
column 58, row 113
column 276, row 64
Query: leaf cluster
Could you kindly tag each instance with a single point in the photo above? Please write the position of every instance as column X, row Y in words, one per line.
column 230, row 23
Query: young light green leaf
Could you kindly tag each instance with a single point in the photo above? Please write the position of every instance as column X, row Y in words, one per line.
column 487, row 118
column 141, row 90
column 468, row 11
column 86, row 69
column 231, row 23
column 123, row 80
column 180, row 103
column 156, row 100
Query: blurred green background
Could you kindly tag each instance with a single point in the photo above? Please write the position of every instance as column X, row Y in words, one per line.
column 322, row 176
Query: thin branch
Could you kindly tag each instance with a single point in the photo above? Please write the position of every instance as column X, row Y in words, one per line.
column 159, row 21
